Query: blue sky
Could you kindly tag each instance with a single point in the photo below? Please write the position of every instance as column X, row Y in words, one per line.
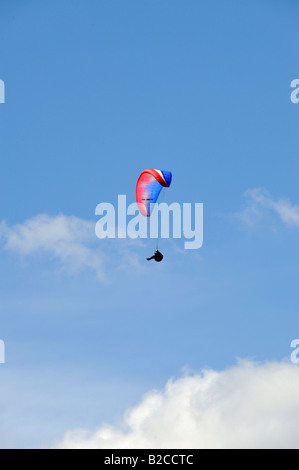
column 95, row 93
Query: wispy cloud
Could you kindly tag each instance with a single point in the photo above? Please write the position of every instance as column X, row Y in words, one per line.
column 259, row 204
column 69, row 239
column 72, row 242
column 246, row 406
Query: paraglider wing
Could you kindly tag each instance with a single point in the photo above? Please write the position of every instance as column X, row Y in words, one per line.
column 148, row 188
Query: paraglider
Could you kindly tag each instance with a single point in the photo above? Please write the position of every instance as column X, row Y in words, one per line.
column 148, row 188
column 157, row 256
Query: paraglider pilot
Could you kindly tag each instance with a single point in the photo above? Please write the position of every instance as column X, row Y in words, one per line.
column 157, row 256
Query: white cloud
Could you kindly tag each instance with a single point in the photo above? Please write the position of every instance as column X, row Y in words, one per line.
column 72, row 241
column 67, row 238
column 259, row 203
column 246, row 406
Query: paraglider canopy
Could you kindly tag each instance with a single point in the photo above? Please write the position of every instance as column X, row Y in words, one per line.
column 148, row 188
